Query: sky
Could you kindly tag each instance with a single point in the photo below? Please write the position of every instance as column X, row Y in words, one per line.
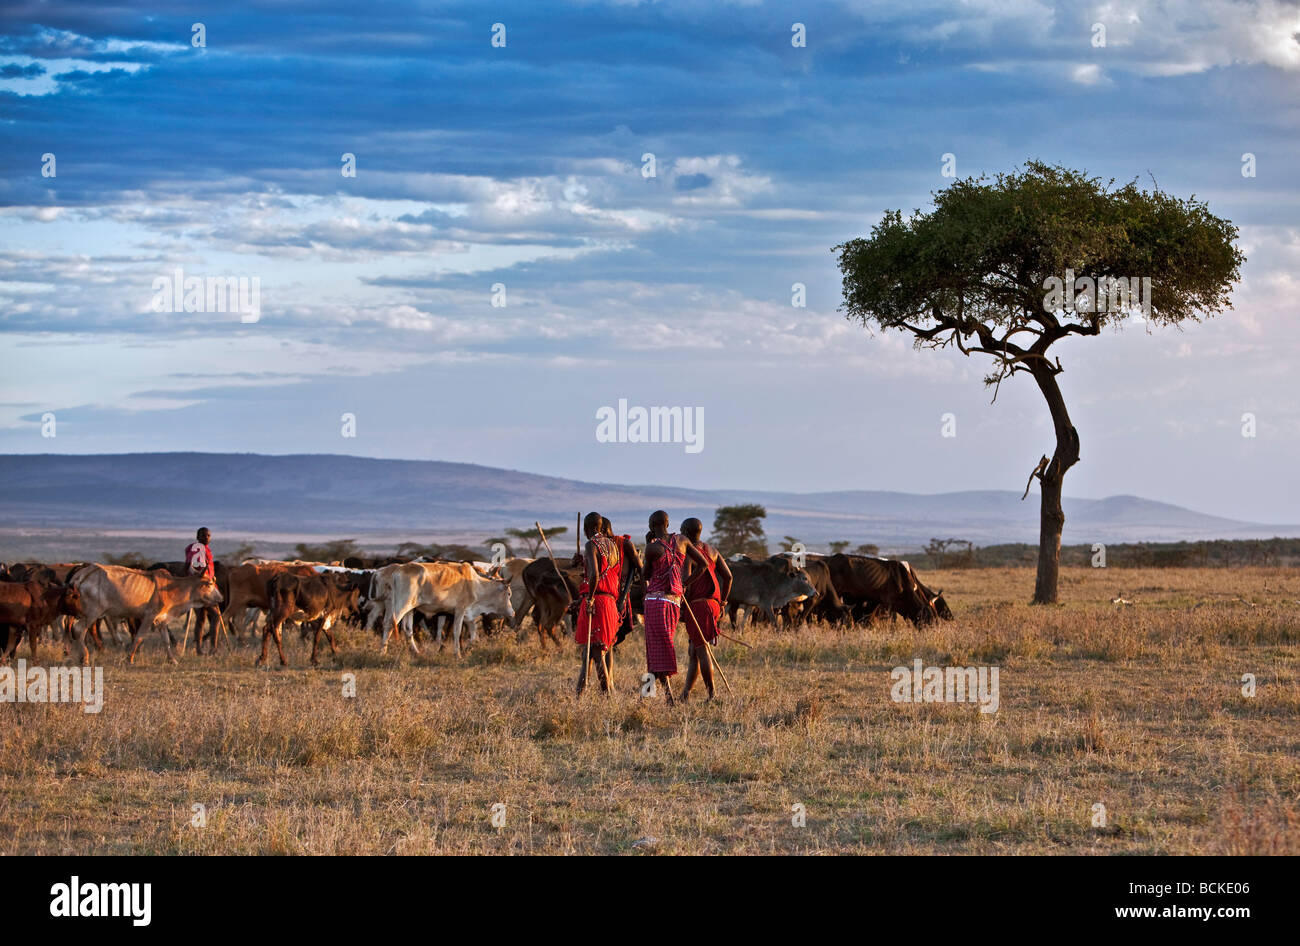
column 557, row 207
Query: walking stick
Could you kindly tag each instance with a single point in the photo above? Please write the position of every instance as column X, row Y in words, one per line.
column 189, row 619
column 221, row 626
column 586, row 663
column 736, row 639
column 707, row 649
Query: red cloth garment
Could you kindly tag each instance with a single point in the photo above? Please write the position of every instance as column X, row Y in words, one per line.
column 704, row 583
column 580, row 623
column 600, row 617
column 198, row 559
column 706, row 612
column 666, row 579
column 661, row 617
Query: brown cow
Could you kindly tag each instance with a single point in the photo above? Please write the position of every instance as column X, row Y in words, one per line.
column 145, row 599
column 322, row 599
column 248, row 589
column 26, row 607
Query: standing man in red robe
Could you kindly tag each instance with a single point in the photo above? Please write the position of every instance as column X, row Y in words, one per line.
column 665, row 557
column 705, row 594
column 633, row 571
column 598, row 610
column 198, row 561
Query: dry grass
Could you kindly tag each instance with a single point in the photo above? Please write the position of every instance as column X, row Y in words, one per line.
column 1138, row 708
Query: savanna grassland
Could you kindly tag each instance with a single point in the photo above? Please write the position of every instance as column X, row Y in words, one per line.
column 1138, row 707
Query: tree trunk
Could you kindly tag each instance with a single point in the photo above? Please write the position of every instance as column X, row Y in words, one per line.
column 1051, row 515
column 1050, row 524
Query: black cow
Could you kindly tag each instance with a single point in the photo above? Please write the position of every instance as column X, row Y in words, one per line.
column 871, row 585
column 934, row 597
column 552, row 595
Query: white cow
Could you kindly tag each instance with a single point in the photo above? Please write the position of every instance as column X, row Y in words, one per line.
column 398, row 591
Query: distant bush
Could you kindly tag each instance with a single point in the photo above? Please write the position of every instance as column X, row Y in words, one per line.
column 127, row 560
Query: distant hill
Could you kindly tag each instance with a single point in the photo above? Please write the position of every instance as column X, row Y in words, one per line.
column 343, row 496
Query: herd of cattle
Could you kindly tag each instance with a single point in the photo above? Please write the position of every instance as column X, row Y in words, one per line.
column 80, row 603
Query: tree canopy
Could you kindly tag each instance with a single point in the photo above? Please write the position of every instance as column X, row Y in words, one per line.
column 976, row 271
column 739, row 530
column 1007, row 268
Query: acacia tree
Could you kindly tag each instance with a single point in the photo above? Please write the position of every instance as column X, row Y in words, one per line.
column 739, row 529
column 1010, row 267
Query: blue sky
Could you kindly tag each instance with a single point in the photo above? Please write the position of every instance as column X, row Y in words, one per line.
column 523, row 165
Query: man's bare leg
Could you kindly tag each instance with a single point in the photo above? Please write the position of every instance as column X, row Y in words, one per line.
column 586, row 663
column 602, row 672
column 692, row 669
column 706, row 668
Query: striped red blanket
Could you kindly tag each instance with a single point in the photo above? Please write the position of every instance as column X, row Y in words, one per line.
column 661, row 619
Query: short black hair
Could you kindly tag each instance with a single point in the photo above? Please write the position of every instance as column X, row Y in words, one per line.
column 691, row 528
column 199, row 535
column 592, row 522
column 658, row 516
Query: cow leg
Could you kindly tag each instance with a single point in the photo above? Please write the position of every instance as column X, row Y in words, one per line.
column 168, row 639
column 322, row 626
column 457, row 621
column 408, row 628
column 518, row 625
column 78, row 635
column 521, row 612
column 272, row 628
column 136, row 638
column 738, row 619
column 279, row 646
column 11, row 643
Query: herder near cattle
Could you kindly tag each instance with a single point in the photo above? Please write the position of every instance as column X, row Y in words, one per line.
column 598, row 612
column 198, row 561
column 665, row 556
column 705, row 592
column 630, row 574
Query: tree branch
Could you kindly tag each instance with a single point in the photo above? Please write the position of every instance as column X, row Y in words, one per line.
column 1038, row 472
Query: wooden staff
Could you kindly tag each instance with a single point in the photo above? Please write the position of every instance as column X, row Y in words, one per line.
column 586, row 662
column 736, row 639
column 686, row 608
